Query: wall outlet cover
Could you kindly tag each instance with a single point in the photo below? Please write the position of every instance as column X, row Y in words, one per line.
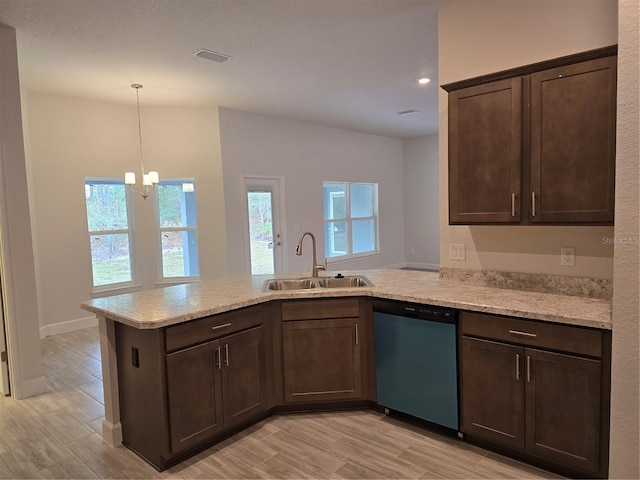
column 567, row 256
column 457, row 251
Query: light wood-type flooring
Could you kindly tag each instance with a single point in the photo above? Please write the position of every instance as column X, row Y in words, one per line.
column 57, row 435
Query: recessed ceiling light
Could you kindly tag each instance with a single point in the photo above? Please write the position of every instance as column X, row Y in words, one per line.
column 423, row 80
column 211, row 55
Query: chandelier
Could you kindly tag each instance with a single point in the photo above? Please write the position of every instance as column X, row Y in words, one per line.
column 151, row 179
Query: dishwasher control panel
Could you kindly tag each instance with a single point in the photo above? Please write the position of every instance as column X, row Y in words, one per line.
column 415, row 310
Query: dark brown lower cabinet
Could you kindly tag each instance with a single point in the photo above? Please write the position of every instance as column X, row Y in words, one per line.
column 548, row 405
column 215, row 386
column 563, row 408
column 321, row 360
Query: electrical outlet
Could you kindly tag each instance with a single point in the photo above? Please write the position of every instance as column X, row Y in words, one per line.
column 457, row 251
column 135, row 357
column 567, row 256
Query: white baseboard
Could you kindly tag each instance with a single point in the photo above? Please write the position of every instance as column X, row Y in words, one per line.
column 29, row 388
column 423, row 266
column 69, row 326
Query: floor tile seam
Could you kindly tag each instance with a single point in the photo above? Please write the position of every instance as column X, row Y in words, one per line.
column 74, row 439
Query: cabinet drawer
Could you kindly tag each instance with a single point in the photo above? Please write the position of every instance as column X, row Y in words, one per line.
column 317, row 309
column 551, row 336
column 215, row 326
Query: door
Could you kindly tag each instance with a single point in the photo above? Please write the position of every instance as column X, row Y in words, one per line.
column 265, row 225
column 573, row 141
column 563, row 408
column 243, row 377
column 4, row 359
column 321, row 360
column 485, row 157
column 195, row 394
column 492, row 391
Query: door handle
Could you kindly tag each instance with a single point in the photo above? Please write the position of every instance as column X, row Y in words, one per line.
column 533, row 204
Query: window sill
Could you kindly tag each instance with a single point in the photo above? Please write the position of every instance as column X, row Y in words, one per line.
column 103, row 292
column 176, row 281
column 347, row 258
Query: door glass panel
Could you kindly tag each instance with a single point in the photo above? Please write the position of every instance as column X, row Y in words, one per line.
column 261, row 231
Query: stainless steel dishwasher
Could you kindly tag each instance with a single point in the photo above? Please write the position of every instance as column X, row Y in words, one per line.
column 416, row 360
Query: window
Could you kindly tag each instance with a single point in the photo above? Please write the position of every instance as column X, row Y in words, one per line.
column 350, row 218
column 110, row 231
column 177, row 224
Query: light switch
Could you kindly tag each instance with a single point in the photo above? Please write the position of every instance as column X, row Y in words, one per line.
column 457, row 251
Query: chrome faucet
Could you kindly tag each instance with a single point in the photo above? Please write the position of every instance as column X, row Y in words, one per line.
column 314, row 266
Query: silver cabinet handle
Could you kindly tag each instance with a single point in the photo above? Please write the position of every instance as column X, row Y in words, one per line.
column 513, row 204
column 219, row 358
column 533, row 204
column 224, row 325
column 518, row 366
column 524, row 334
column 528, row 369
column 357, row 339
column 226, row 354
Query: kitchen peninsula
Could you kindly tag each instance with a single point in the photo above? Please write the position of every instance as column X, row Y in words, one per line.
column 151, row 341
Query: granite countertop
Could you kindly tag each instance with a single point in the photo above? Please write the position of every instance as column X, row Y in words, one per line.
column 162, row 307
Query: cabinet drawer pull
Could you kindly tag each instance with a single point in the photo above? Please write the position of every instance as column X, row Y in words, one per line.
column 533, row 204
column 357, row 339
column 226, row 354
column 513, row 204
column 224, row 325
column 219, row 358
column 528, row 369
column 517, row 366
column 524, row 334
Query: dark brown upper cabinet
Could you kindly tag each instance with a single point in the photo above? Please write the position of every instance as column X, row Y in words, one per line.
column 535, row 144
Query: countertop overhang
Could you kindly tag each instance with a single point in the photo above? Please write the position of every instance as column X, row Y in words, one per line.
column 162, row 307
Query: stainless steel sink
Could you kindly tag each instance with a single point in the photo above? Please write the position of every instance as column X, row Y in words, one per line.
column 321, row 282
column 343, row 282
column 290, row 284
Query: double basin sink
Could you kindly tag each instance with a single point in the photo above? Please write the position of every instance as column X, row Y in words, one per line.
column 319, row 282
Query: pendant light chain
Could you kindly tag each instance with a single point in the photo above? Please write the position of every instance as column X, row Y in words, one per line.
column 138, row 87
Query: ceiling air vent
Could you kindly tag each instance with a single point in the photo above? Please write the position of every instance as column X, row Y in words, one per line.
column 407, row 112
column 211, row 55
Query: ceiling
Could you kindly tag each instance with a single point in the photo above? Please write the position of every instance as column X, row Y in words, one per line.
column 346, row 63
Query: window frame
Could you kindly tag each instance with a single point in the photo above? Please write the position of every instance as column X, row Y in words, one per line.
column 348, row 219
column 130, row 231
column 159, row 230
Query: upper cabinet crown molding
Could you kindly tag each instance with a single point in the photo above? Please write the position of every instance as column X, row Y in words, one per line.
column 611, row 50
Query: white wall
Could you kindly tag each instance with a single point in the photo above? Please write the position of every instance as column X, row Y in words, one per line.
column 71, row 139
column 18, row 280
column 306, row 155
column 625, row 415
column 421, row 202
column 481, row 37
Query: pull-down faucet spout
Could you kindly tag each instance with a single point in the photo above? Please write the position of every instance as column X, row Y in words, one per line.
column 314, row 266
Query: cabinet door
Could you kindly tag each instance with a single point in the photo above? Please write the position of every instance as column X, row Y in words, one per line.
column 492, row 391
column 563, row 409
column 194, row 391
column 485, row 138
column 321, row 360
column 573, row 115
column 243, row 376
